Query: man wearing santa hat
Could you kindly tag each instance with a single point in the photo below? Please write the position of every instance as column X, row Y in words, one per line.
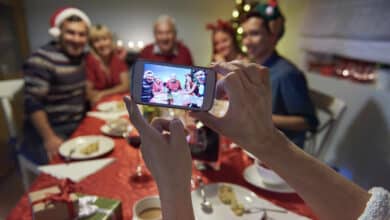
column 55, row 86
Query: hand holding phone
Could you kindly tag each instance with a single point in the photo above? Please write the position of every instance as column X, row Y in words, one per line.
column 173, row 86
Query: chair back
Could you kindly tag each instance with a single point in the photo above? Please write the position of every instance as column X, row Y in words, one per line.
column 329, row 111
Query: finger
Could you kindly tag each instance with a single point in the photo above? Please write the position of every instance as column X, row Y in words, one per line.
column 243, row 75
column 160, row 124
column 252, row 71
column 220, row 90
column 258, row 75
column 264, row 73
column 208, row 119
column 166, row 137
column 224, row 68
column 135, row 115
column 228, row 85
column 234, row 87
column 178, row 137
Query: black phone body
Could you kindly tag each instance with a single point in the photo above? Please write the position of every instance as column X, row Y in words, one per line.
column 173, row 86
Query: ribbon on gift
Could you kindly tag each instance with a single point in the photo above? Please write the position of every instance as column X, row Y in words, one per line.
column 66, row 187
column 88, row 208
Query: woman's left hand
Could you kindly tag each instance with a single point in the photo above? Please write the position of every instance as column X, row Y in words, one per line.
column 164, row 149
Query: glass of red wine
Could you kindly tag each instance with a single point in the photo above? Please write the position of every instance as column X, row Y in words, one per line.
column 139, row 175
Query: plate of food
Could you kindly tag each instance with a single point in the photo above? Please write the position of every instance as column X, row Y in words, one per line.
column 117, row 127
column 228, row 201
column 86, row 147
column 112, row 106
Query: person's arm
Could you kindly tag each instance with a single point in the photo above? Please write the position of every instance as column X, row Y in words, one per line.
column 121, row 88
column 250, row 125
column 50, row 139
column 37, row 86
column 300, row 110
column 160, row 152
column 292, row 123
column 91, row 92
column 192, row 89
column 330, row 195
column 95, row 95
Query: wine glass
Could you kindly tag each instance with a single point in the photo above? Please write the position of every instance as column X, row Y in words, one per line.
column 139, row 175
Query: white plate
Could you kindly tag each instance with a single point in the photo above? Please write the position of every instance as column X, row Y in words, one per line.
column 105, row 145
column 221, row 211
column 253, row 177
column 105, row 129
column 110, row 107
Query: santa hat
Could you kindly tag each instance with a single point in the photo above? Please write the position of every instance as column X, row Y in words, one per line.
column 62, row 14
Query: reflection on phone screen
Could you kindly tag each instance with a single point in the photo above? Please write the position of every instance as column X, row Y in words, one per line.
column 174, row 86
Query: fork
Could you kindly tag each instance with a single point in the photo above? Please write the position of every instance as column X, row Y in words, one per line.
column 257, row 209
column 69, row 157
column 265, row 216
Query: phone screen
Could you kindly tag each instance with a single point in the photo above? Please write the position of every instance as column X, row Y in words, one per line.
column 173, row 85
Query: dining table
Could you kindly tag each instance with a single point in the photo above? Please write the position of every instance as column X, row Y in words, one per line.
column 113, row 180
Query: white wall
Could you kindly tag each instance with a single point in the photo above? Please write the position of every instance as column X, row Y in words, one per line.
column 362, row 140
column 133, row 20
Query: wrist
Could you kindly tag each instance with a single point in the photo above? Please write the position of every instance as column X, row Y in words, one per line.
column 272, row 143
column 176, row 203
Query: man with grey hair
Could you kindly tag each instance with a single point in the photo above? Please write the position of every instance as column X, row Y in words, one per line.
column 166, row 47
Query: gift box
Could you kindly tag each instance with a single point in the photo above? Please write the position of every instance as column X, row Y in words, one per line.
column 99, row 208
column 55, row 202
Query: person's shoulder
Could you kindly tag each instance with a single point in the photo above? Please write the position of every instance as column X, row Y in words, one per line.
column 91, row 60
column 147, row 49
column 285, row 69
column 183, row 47
column 90, row 57
column 48, row 54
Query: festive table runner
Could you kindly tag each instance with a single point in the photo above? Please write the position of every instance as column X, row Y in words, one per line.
column 113, row 180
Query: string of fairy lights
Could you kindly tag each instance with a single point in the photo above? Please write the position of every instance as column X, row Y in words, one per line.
column 242, row 8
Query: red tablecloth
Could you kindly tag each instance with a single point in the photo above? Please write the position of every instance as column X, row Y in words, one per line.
column 113, row 180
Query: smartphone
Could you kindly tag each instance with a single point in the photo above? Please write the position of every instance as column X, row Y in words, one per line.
column 173, row 86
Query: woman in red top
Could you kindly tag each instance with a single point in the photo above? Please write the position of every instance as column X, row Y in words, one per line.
column 107, row 73
column 158, row 85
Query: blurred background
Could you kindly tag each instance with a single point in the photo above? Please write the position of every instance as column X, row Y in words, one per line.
column 326, row 39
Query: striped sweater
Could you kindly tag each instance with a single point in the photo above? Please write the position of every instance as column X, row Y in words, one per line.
column 55, row 83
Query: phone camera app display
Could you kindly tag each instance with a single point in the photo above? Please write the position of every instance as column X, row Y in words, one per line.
column 174, row 86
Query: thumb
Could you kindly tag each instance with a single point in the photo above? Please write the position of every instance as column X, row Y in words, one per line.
column 176, row 129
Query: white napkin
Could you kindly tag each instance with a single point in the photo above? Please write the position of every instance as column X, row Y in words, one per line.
column 107, row 115
column 76, row 171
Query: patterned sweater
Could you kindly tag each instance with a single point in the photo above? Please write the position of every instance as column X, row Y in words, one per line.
column 55, row 83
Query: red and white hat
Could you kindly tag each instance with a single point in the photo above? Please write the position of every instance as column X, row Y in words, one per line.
column 63, row 13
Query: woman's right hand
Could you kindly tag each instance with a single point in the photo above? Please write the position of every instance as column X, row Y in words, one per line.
column 248, row 121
